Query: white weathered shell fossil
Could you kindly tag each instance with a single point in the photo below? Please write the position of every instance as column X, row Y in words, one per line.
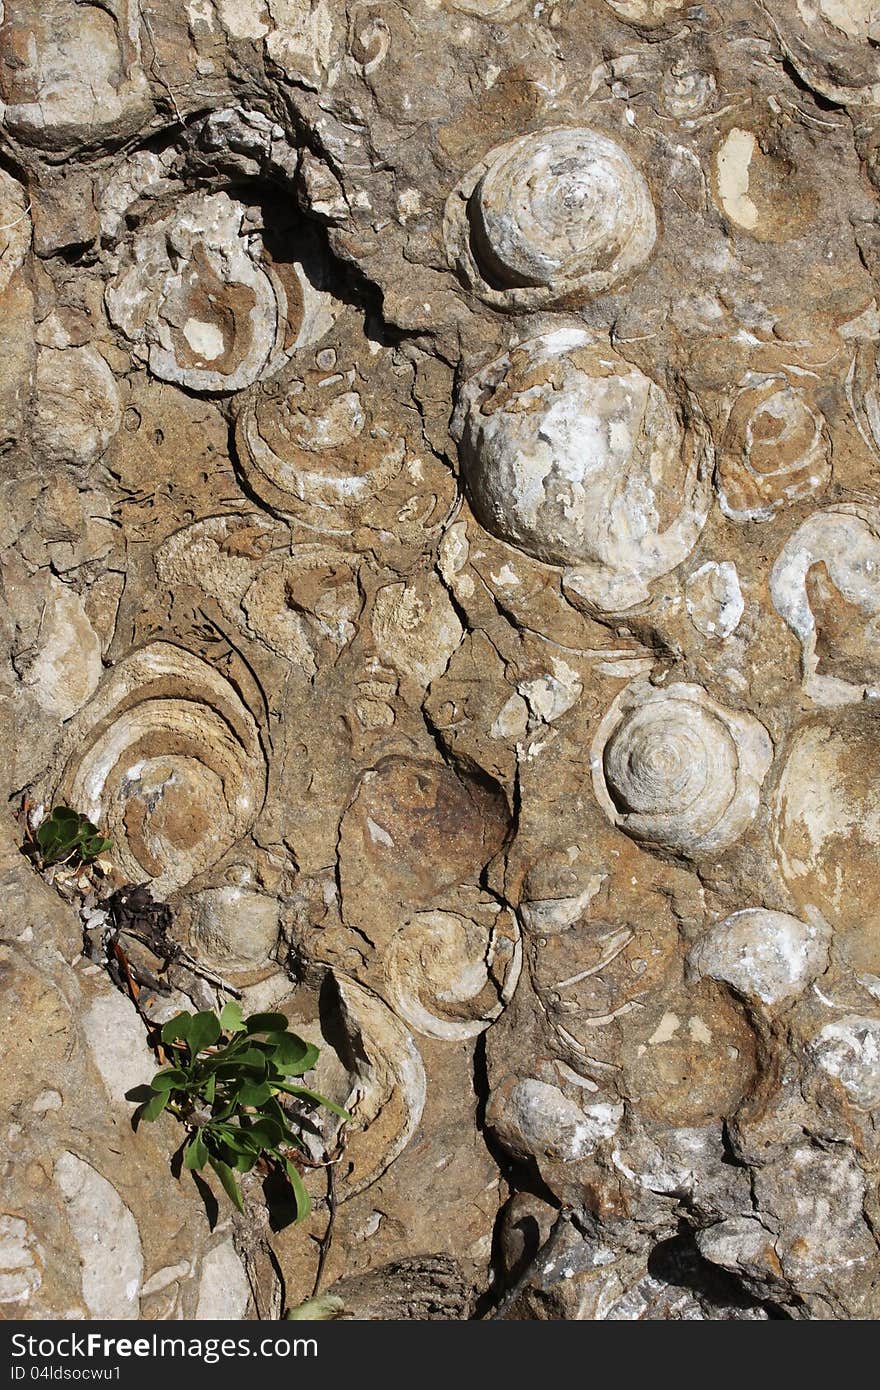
column 416, row 628
column 69, row 77
column 534, row 1119
column 849, row 1050
column 648, row 12
column 674, row 768
column 233, row 927
column 826, row 827
column 770, row 956
column 579, row 459
column 549, row 214
column 198, row 293
column 369, row 1064
column 775, row 450
column 167, row 759
column 713, row 598
column 826, row 585
column 61, row 666
column 449, row 974
column 76, row 405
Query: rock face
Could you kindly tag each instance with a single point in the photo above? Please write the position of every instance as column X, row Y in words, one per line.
column 440, row 546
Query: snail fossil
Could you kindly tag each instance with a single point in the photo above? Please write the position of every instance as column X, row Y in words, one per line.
column 826, row 585
column 775, row 450
column 580, row 460
column 675, row 769
column 548, row 214
column 198, row 293
column 167, row 758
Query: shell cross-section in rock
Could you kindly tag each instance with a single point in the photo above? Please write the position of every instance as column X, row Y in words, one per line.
column 577, row 458
column 167, row 756
column 196, row 291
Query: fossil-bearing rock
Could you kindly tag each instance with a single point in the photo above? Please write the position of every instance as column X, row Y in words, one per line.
column 440, row 548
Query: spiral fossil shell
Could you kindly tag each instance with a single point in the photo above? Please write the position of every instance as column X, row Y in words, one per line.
column 550, row 214
column 370, row 1065
column 315, row 450
column 167, row 759
column 200, row 297
column 675, row 769
column 449, row 974
column 775, row 450
column 579, row 459
column 826, row 585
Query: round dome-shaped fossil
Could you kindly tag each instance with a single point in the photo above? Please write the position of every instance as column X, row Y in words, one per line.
column 580, row 460
column 675, row 769
column 448, row 975
column 770, row 956
column 833, row 46
column 849, row 1051
column 167, row 759
column 826, row 585
column 198, row 293
column 232, row 927
column 775, row 450
column 549, row 214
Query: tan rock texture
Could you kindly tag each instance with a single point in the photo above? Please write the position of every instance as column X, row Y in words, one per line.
column 440, row 544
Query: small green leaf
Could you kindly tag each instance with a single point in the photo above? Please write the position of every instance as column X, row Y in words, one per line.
column 170, row 1079
column 319, row 1309
column 196, row 1153
column 306, row 1094
column 231, row 1020
column 227, row 1177
column 266, row 1023
column 204, row 1030
column 294, row 1055
column 177, row 1028
column 210, row 1089
column 153, row 1108
column 302, row 1198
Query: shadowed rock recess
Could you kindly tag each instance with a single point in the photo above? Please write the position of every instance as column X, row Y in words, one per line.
column 440, row 547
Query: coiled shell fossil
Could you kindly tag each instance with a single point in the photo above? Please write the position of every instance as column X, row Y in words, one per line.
column 675, row 769
column 577, row 458
column 314, row 449
column 370, row 1065
column 557, row 212
column 448, row 974
column 198, row 294
column 167, row 759
column 775, row 450
column 826, row 585
column 833, row 46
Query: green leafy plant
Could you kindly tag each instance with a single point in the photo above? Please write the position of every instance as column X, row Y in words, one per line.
column 66, row 836
column 224, row 1083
